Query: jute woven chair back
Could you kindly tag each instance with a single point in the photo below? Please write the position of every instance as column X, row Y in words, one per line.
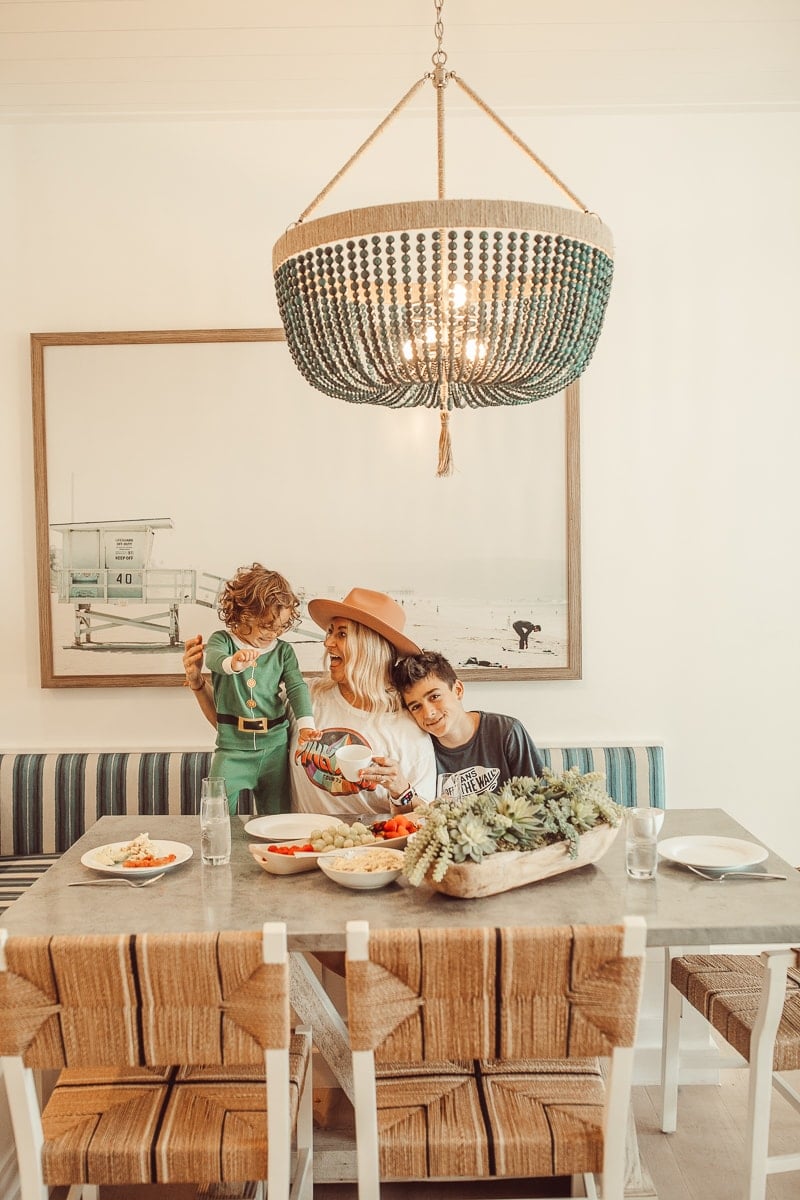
column 432, row 994
column 142, row 1000
column 475, row 1051
column 178, row 1064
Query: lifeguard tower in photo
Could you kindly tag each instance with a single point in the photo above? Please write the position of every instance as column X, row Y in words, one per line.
column 108, row 563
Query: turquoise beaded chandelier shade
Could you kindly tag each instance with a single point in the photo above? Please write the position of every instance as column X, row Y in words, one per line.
column 502, row 311
column 444, row 303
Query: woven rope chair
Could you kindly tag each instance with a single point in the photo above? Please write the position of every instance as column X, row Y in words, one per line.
column 475, row 1052
column 753, row 1002
column 115, row 1014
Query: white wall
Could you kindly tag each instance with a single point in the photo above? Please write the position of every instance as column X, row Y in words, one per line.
column 690, row 406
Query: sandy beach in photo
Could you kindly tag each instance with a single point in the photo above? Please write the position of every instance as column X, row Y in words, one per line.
column 461, row 630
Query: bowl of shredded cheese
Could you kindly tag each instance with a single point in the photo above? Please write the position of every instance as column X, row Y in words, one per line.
column 362, row 867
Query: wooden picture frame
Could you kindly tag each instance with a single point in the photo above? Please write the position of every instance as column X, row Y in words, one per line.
column 218, row 426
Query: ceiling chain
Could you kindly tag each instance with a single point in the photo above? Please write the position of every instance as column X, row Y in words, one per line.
column 439, row 57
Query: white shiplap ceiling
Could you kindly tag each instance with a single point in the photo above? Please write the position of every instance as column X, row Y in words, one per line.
column 105, row 59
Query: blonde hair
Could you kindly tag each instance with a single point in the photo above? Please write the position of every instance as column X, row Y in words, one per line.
column 255, row 592
column 370, row 658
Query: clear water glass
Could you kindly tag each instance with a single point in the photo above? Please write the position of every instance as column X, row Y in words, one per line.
column 642, row 826
column 215, row 823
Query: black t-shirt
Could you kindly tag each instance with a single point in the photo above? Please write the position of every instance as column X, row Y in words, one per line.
column 500, row 749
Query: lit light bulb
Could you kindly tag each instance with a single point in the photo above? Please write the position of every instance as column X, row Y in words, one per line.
column 458, row 295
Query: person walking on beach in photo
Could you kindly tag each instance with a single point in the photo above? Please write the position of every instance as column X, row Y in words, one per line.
column 249, row 664
column 475, row 751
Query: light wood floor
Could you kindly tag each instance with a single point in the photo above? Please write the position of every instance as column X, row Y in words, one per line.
column 703, row 1160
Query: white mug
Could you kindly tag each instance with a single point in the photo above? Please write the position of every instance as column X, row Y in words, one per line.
column 352, row 759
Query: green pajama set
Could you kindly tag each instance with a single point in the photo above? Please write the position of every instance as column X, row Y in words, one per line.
column 252, row 723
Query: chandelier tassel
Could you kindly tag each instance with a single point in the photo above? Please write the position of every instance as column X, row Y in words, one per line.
column 445, row 466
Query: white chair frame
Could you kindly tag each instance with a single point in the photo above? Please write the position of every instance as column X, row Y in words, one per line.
column 762, row 1078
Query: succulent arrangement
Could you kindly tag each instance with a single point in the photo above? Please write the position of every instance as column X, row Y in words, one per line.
column 525, row 814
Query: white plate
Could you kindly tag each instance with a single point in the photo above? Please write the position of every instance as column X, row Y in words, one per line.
column 288, row 827
column 181, row 851
column 714, row 853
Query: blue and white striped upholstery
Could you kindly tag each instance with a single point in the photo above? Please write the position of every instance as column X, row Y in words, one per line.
column 19, row 872
column 634, row 775
column 48, row 800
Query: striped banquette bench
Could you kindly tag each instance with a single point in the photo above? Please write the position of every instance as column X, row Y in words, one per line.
column 49, row 799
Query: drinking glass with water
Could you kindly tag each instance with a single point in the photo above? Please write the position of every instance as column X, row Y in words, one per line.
column 642, row 827
column 215, row 823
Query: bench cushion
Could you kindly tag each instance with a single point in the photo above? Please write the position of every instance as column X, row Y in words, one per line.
column 48, row 800
column 19, row 872
column 634, row 775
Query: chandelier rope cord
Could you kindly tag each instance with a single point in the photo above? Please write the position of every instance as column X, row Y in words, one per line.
column 480, row 103
column 517, row 140
column 444, row 465
column 376, row 133
column 440, row 78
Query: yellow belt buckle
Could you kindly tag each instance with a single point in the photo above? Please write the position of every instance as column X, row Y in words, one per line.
column 253, row 722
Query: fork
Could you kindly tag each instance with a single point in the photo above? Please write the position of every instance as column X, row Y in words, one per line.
column 134, row 883
column 734, row 874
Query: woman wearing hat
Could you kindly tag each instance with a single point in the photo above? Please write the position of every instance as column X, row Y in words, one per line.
column 355, row 704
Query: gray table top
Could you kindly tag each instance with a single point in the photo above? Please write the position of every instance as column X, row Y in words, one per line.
column 680, row 909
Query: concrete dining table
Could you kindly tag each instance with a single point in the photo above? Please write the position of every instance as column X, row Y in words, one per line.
column 680, row 909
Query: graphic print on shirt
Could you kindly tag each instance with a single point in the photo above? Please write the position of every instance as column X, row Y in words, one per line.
column 318, row 760
column 468, row 782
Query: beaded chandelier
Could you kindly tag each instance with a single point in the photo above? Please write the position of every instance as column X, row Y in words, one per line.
column 444, row 303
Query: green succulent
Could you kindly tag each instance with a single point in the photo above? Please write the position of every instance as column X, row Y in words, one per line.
column 524, row 814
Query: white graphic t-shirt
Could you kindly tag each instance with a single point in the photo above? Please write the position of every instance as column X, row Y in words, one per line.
column 317, row 783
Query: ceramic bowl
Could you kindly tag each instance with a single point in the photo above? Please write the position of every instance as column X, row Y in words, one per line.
column 360, row 880
column 395, row 843
column 282, row 864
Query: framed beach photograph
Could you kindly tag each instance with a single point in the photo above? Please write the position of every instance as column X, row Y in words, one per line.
column 164, row 460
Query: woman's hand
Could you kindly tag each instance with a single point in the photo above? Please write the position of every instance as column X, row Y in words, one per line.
column 385, row 772
column 193, row 661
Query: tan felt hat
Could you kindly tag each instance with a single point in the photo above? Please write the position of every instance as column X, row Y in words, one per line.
column 376, row 610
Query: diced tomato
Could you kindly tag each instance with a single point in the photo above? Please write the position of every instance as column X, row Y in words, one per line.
column 150, row 861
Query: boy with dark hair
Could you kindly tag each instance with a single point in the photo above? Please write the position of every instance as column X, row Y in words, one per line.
column 475, row 751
